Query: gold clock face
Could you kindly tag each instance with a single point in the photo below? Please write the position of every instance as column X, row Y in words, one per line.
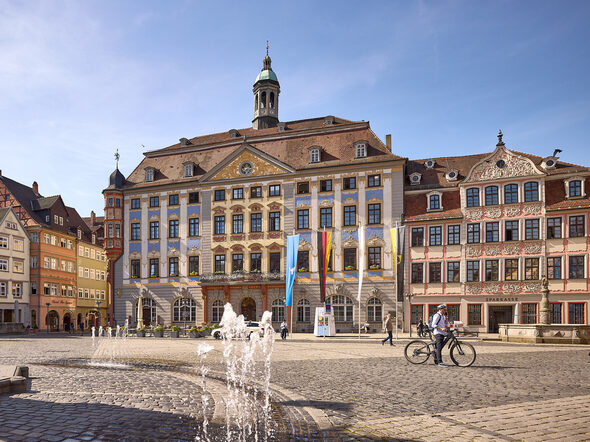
column 246, row 168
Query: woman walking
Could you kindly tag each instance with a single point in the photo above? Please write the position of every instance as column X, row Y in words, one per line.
column 388, row 327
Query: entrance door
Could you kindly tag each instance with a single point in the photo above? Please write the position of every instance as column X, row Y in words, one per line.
column 499, row 314
column 66, row 322
column 249, row 309
column 53, row 321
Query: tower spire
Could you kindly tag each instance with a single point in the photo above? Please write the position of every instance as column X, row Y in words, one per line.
column 117, row 156
column 267, row 48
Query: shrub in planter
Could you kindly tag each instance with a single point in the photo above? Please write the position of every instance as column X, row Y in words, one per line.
column 193, row 332
column 158, row 331
column 174, row 331
column 141, row 332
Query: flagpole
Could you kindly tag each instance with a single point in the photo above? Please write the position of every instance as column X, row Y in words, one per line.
column 395, row 285
column 291, row 316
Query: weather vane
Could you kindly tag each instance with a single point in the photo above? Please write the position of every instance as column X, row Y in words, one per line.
column 117, row 156
column 267, row 48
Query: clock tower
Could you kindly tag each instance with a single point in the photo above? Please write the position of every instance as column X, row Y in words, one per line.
column 266, row 97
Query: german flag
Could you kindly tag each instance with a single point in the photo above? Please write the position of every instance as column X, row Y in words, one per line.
column 324, row 246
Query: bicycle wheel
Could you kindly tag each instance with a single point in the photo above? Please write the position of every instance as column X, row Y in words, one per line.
column 417, row 352
column 463, row 354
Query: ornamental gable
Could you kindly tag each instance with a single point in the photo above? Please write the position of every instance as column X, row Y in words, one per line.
column 502, row 163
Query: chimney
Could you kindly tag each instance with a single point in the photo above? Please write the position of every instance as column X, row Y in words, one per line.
column 388, row 141
column 92, row 218
column 36, row 187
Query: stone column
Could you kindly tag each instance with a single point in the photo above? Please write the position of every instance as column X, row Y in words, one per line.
column 545, row 316
column 205, row 295
column 264, row 290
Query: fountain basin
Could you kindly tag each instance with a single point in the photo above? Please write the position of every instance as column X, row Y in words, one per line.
column 545, row 333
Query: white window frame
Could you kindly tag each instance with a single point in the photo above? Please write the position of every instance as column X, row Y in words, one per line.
column 314, row 155
column 360, row 150
column 430, row 209
column 149, row 174
column 188, row 170
column 3, row 289
column 582, row 187
column 17, row 289
column 4, row 242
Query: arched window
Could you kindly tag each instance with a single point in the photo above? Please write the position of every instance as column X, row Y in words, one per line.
column 303, row 310
column 278, row 310
column 262, row 100
column 531, row 191
column 217, row 311
column 185, row 310
column 342, row 307
column 271, row 101
column 491, row 195
column 256, row 102
column 375, row 310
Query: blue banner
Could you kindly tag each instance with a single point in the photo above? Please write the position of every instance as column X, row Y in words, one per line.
column 292, row 249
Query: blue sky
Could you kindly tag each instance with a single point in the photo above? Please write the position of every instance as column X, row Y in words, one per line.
column 79, row 79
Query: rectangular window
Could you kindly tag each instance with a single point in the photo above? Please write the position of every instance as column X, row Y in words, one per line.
column 302, row 188
column 173, row 266
column 256, row 192
column 554, row 267
column 511, row 270
column 493, row 232
column 553, row 228
column 576, row 224
column 576, row 313
column 303, row 219
column 349, row 183
column 529, row 313
column 325, row 185
column 17, row 289
column 18, row 266
column 510, row 194
column 274, row 190
column 511, row 233
column 556, row 313
column 193, row 265
column 237, row 263
column 491, row 195
column 256, row 262
column 349, row 259
column 474, row 314
column 274, row 221
column 219, row 225
column 434, row 272
column 256, row 222
column 435, row 236
column 374, row 258
column 303, row 261
column 417, row 236
column 492, row 270
column 472, row 197
column 576, row 267
column 154, row 201
column 219, row 263
column 238, row 224
column 135, row 271
column 193, row 227
column 531, row 268
column 434, row 202
column 275, row 262
column 374, row 181
column 472, row 271
column 117, row 230
column 326, row 217
column 154, row 229
column 472, row 233
column 19, row 244
column 3, row 242
column 135, row 203
column 173, row 228
column 238, row 194
column 531, row 229
column 417, row 273
column 531, row 192
column 575, row 188
column 154, row 267
column 173, row 200
column 219, row 195
column 193, row 197
column 374, row 214
column 453, row 271
column 350, row 215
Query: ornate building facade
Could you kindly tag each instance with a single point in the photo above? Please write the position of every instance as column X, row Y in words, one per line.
column 484, row 229
column 205, row 221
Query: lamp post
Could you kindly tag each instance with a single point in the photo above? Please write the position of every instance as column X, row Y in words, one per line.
column 409, row 296
column 47, row 316
column 98, row 301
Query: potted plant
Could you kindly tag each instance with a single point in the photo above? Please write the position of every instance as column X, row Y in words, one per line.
column 349, row 268
column 205, row 330
column 193, row 274
column 158, row 331
column 193, row 332
column 141, row 332
column 302, row 269
column 374, row 267
column 174, row 331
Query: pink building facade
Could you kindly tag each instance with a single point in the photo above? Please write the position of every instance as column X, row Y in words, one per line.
column 484, row 229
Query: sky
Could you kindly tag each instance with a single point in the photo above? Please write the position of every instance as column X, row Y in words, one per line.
column 80, row 79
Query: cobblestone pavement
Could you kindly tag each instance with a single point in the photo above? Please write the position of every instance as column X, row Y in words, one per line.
column 323, row 389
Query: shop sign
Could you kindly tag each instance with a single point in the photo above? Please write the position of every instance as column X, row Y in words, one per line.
column 500, row 299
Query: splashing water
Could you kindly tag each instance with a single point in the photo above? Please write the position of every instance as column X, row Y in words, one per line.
column 202, row 351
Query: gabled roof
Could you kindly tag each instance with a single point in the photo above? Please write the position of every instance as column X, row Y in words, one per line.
column 3, row 212
column 45, row 203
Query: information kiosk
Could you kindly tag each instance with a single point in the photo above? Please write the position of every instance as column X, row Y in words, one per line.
column 324, row 322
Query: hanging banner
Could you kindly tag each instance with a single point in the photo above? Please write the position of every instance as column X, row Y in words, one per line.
column 324, row 246
column 292, row 249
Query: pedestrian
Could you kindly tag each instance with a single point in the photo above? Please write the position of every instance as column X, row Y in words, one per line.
column 439, row 325
column 284, row 328
column 420, row 327
column 388, row 327
column 81, row 325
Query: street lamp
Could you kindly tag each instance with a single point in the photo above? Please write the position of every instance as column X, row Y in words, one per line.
column 98, row 301
column 409, row 296
column 47, row 316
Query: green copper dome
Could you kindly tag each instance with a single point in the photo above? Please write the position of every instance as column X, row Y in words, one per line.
column 267, row 74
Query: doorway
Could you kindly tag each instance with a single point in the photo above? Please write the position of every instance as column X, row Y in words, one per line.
column 66, row 322
column 249, row 309
column 53, row 321
column 499, row 314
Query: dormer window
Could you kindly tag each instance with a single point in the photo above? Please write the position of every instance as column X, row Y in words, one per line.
column 281, row 126
column 233, row 133
column 549, row 163
column 415, row 178
column 452, row 175
column 434, row 201
column 79, row 233
column 189, row 169
column 149, row 174
column 184, row 141
column 314, row 155
column 329, row 120
column 575, row 188
column 429, row 164
column 93, row 238
column 360, row 149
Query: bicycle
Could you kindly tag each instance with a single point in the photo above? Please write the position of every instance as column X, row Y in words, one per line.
column 462, row 353
column 425, row 333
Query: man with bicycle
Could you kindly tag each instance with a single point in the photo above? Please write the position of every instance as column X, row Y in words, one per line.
column 439, row 325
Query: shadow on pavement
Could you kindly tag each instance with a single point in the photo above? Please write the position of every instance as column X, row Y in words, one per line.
column 322, row 405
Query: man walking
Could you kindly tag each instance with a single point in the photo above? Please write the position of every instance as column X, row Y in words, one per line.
column 439, row 324
column 388, row 327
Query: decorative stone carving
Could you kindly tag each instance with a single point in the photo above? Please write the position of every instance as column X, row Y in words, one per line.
column 473, row 214
column 255, row 248
column 474, row 288
column 493, row 287
column 493, row 212
column 374, row 291
column 512, row 287
column 326, row 203
column 304, row 245
column 237, row 209
column 532, row 209
column 532, row 248
column 219, row 211
column 255, row 236
column 349, row 201
column 274, row 235
column 532, row 286
column 375, row 241
column 302, row 205
column 492, row 250
column 172, row 251
column 274, row 206
column 274, row 247
column 537, row 333
column 511, row 249
column 502, row 164
column 374, row 200
column 220, row 238
column 349, row 242
column 237, row 247
column 511, row 211
column 473, row 250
